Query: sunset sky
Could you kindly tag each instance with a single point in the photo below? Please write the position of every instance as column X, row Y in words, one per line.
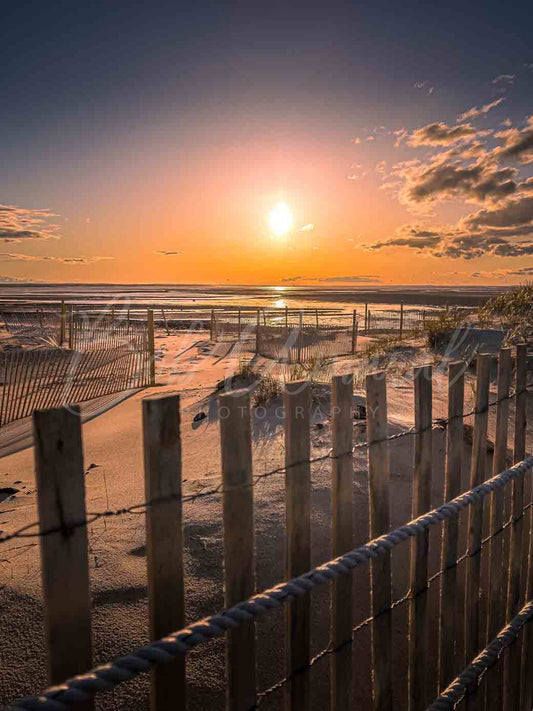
column 151, row 142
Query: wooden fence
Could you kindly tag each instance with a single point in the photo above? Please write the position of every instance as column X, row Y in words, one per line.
column 288, row 336
column 51, row 377
column 61, row 505
column 104, row 357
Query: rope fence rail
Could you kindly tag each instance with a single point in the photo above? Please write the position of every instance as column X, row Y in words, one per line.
column 107, row 676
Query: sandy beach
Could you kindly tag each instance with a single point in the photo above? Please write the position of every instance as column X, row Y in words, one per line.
column 191, row 366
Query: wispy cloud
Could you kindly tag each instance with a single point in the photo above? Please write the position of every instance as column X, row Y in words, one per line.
column 479, row 111
column 504, row 79
column 19, row 223
column 167, row 252
column 16, row 257
column 426, row 86
column 353, row 279
column 307, row 228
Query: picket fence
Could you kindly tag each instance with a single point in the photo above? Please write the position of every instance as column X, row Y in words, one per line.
column 103, row 358
column 505, row 674
column 288, row 336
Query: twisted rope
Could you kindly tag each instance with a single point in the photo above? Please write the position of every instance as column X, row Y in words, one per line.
column 467, row 681
column 439, row 424
column 103, row 678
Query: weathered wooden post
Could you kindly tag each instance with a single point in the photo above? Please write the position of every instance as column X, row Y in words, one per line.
column 212, row 325
column 64, row 557
column 297, row 402
column 62, row 323
column 300, row 336
column 257, row 334
column 239, row 559
column 70, row 325
column 478, row 474
column 512, row 667
column 151, row 345
column 418, row 608
column 239, row 323
column 366, row 318
column 164, row 541
column 450, row 657
column 401, row 321
column 354, row 331
column 379, row 504
column 342, row 541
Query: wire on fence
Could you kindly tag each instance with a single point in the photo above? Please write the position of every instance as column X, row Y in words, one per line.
column 25, row 531
column 177, row 644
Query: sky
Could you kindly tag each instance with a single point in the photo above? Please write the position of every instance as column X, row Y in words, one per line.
column 155, row 142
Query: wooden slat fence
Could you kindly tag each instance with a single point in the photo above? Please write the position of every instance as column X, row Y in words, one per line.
column 45, row 378
column 165, row 555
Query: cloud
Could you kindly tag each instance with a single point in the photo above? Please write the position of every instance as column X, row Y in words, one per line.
column 16, row 257
column 501, row 231
column 425, row 85
column 307, row 228
column 419, row 185
column 504, row 79
column 518, row 143
column 475, row 111
column 14, row 280
column 439, row 134
column 167, row 252
column 354, row 279
column 19, row 223
column 503, row 273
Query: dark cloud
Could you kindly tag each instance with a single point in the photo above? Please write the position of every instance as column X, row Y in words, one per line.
column 518, row 143
column 18, row 224
column 447, row 176
column 439, row 134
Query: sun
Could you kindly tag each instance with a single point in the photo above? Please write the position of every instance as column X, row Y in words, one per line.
column 280, row 219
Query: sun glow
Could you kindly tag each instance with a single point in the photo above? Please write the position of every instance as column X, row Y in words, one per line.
column 280, row 219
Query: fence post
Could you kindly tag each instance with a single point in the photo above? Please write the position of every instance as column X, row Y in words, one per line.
column 448, row 649
column 354, row 331
column 497, row 576
column 239, row 323
column 62, row 323
column 165, row 321
column 418, row 631
column 151, row 345
column 300, row 336
column 366, row 318
column 297, row 402
column 342, row 541
column 475, row 513
column 257, row 334
column 70, row 324
column 401, row 321
column 512, row 666
column 239, row 564
column 164, row 541
column 64, row 559
column 379, row 476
